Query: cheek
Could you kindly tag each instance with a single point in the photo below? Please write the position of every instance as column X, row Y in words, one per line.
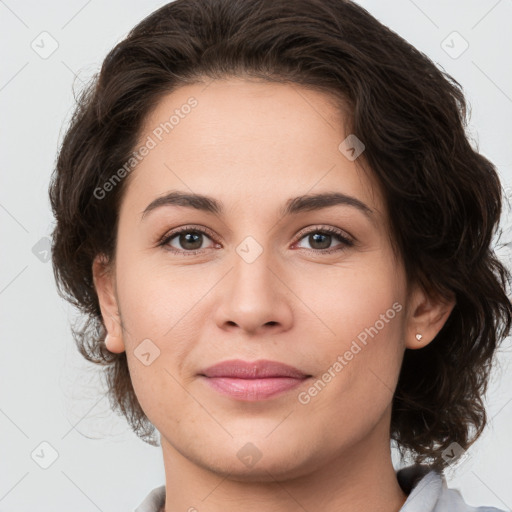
column 157, row 309
column 347, row 299
column 155, row 297
column 361, row 345
column 159, row 304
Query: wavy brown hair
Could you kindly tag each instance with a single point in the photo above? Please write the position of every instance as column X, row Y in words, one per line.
column 444, row 198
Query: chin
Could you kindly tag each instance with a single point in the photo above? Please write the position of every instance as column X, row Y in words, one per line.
column 248, row 463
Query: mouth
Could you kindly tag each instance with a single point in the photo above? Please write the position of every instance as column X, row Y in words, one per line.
column 253, row 381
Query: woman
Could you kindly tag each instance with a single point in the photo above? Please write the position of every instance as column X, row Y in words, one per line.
column 281, row 237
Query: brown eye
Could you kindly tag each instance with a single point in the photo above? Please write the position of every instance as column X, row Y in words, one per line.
column 185, row 240
column 320, row 240
column 190, row 240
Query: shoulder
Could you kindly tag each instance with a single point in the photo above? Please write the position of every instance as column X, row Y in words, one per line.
column 428, row 491
column 154, row 501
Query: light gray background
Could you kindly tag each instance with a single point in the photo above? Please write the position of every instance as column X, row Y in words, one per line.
column 47, row 393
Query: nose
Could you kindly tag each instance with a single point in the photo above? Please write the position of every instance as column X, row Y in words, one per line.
column 255, row 297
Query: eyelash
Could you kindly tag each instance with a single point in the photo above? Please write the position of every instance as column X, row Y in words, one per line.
column 346, row 242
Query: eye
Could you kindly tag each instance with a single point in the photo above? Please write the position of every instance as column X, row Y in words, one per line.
column 189, row 240
column 320, row 240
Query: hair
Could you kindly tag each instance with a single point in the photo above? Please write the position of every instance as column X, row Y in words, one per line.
column 443, row 197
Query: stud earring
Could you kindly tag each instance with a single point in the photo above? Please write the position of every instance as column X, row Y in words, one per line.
column 419, row 336
column 106, row 341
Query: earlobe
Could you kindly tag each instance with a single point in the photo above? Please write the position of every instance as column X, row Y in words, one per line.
column 427, row 315
column 104, row 283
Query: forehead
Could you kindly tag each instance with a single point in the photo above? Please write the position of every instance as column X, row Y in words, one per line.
column 246, row 141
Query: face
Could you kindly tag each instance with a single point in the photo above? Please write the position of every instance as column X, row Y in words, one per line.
column 313, row 285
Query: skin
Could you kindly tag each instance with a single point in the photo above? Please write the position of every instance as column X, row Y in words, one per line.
column 252, row 146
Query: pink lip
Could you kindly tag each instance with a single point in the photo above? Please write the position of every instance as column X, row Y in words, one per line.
column 252, row 381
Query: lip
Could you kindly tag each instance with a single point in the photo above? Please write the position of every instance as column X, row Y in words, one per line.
column 252, row 381
column 261, row 369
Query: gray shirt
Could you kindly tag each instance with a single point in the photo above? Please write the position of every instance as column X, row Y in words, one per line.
column 426, row 489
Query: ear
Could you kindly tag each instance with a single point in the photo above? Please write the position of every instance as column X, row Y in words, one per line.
column 104, row 283
column 427, row 313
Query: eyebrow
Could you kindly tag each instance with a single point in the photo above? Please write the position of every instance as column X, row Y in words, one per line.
column 292, row 206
